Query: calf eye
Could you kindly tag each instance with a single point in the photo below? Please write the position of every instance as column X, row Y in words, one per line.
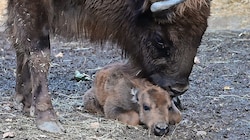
column 146, row 108
column 170, row 108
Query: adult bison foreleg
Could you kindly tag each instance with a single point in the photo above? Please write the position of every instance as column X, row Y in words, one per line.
column 28, row 25
column 41, row 102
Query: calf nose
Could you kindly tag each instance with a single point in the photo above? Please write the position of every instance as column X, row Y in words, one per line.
column 161, row 129
column 179, row 89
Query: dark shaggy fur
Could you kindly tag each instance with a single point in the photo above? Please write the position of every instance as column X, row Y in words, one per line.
column 161, row 46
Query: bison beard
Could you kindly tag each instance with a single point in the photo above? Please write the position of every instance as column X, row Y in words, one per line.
column 161, row 45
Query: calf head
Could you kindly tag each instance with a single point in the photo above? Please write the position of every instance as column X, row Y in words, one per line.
column 156, row 110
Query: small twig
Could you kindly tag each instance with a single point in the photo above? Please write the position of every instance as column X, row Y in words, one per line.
column 70, row 97
column 5, row 98
column 163, row 136
column 223, row 96
column 171, row 137
column 106, row 135
column 18, row 123
column 85, row 60
column 87, row 115
column 8, row 114
column 95, row 69
column 242, row 39
column 149, row 132
column 246, row 121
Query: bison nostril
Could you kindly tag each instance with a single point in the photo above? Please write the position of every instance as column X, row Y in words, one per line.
column 179, row 89
column 161, row 129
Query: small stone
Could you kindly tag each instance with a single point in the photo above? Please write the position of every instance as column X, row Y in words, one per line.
column 8, row 135
column 95, row 125
column 43, row 136
column 60, row 55
column 8, row 120
column 7, row 108
column 201, row 133
column 227, row 88
column 197, row 60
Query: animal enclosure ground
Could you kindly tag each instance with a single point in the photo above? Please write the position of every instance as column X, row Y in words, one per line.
column 217, row 105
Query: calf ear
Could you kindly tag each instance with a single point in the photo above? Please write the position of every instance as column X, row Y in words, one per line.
column 134, row 93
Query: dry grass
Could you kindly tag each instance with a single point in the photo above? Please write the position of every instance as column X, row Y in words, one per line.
column 3, row 4
column 230, row 7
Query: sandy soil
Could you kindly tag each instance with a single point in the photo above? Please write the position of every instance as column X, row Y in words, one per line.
column 229, row 15
column 216, row 106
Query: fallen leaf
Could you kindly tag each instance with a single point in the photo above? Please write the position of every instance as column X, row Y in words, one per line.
column 8, row 135
column 43, row 136
column 8, row 120
column 82, row 76
column 7, row 108
column 227, row 88
column 60, row 54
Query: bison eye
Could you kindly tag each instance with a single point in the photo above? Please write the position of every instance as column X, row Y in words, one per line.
column 146, row 108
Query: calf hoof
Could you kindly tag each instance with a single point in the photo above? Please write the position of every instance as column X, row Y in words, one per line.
column 22, row 105
column 178, row 103
column 51, row 126
column 18, row 97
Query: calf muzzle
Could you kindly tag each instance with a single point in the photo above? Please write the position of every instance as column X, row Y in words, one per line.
column 161, row 129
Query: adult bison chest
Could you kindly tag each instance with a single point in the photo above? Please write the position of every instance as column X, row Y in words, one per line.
column 159, row 37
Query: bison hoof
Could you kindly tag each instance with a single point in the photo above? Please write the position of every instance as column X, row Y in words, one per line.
column 178, row 103
column 51, row 126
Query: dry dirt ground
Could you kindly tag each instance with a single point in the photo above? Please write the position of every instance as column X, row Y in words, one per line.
column 217, row 105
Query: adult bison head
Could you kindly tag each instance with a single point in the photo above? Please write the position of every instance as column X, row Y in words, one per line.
column 169, row 42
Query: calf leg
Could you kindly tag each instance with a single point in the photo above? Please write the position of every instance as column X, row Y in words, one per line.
column 30, row 30
column 129, row 117
column 90, row 102
column 23, row 83
column 178, row 103
column 114, row 111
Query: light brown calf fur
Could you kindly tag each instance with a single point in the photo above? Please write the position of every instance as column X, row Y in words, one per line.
column 131, row 100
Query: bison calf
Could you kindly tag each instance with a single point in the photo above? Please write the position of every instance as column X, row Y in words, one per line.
column 131, row 100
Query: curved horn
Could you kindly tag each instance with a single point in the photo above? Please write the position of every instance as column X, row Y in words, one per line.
column 163, row 5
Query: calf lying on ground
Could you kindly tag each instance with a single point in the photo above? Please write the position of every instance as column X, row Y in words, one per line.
column 118, row 95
